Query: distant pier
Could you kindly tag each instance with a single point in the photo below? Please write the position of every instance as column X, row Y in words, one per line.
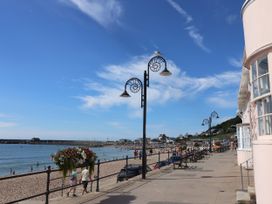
column 57, row 142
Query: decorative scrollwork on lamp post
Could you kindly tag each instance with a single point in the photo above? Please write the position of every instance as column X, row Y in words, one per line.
column 135, row 85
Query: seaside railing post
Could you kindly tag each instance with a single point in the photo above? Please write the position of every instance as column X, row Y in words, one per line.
column 62, row 186
column 47, row 184
column 248, row 180
column 159, row 157
column 168, row 158
column 242, row 180
column 185, row 159
column 97, row 175
column 127, row 167
column 91, row 186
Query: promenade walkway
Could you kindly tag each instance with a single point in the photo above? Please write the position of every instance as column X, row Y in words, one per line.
column 210, row 181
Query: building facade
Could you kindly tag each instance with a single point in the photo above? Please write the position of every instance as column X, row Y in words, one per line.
column 243, row 130
column 257, row 105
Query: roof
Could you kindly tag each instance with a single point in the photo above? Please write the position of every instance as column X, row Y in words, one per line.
column 245, row 5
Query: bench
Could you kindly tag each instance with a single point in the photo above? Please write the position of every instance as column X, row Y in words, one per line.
column 177, row 161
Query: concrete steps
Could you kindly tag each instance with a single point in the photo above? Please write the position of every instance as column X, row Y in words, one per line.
column 246, row 197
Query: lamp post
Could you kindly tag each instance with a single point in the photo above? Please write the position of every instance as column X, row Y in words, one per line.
column 208, row 121
column 135, row 85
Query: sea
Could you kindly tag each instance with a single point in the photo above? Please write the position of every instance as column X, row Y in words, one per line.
column 24, row 158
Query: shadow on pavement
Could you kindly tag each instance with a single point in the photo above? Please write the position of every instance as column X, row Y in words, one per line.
column 118, row 199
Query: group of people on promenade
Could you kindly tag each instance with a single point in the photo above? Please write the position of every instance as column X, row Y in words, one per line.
column 85, row 178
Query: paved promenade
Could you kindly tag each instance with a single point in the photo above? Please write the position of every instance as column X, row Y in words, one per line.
column 213, row 180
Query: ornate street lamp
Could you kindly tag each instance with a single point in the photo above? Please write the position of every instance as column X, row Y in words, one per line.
column 209, row 122
column 135, row 85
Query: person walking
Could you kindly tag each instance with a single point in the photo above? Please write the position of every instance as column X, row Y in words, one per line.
column 72, row 182
column 85, row 178
column 140, row 154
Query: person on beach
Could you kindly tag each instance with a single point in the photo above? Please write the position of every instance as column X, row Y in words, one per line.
column 151, row 151
column 85, row 178
column 72, row 182
column 135, row 153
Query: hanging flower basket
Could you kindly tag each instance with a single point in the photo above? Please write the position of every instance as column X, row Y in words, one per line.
column 74, row 157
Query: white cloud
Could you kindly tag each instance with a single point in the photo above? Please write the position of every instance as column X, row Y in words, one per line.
column 223, row 100
column 3, row 115
column 192, row 29
column 104, row 12
column 236, row 62
column 180, row 10
column 161, row 90
column 116, row 124
column 197, row 37
column 7, row 124
column 230, row 19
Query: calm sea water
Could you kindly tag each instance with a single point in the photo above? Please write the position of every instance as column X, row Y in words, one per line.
column 21, row 158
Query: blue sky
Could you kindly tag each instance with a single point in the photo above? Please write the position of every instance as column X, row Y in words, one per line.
column 64, row 64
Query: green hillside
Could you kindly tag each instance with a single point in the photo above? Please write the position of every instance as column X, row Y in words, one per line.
column 225, row 129
column 228, row 126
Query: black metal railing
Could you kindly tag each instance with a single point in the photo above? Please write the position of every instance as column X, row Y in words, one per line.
column 97, row 177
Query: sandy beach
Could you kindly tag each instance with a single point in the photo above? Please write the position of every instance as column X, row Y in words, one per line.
column 16, row 188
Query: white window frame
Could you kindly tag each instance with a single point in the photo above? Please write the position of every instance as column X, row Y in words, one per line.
column 259, row 97
column 259, row 77
column 243, row 136
column 263, row 116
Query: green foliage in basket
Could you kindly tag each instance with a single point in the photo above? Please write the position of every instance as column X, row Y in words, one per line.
column 74, row 157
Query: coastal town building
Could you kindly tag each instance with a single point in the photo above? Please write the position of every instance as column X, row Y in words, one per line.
column 254, row 99
column 165, row 139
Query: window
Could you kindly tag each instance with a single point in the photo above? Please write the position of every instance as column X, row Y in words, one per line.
column 264, row 110
column 261, row 86
column 238, row 132
column 260, row 77
column 243, row 136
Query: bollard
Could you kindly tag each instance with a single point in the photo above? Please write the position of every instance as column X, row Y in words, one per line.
column 159, row 157
column 47, row 184
column 168, row 158
column 97, row 175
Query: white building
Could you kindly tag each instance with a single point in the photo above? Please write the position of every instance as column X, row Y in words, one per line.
column 256, row 107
